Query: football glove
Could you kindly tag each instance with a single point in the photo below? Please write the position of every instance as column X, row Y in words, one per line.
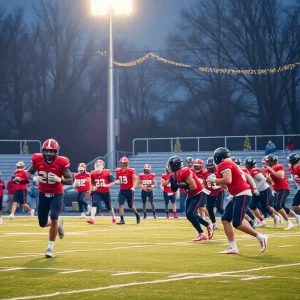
column 54, row 178
column 211, row 178
column 37, row 179
column 256, row 193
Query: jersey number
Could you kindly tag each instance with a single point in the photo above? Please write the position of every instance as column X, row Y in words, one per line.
column 45, row 179
column 100, row 182
column 80, row 182
column 147, row 182
column 123, row 179
column 210, row 184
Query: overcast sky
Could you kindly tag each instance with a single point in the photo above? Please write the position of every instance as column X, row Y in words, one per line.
column 147, row 27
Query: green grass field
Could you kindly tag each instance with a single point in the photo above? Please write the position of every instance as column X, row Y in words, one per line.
column 153, row 260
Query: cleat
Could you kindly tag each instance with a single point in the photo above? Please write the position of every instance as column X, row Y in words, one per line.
column 89, row 209
column 216, row 227
column 145, row 217
column 82, row 216
column 261, row 224
column 264, row 244
column 32, row 213
column 252, row 224
column 276, row 220
column 1, row 222
column 154, row 216
column 175, row 215
column 61, row 232
column 120, row 223
column 138, row 219
column 113, row 221
column 100, row 214
column 210, row 231
column 200, row 238
column 167, row 216
column 11, row 216
column 256, row 222
column 49, row 253
column 91, row 221
column 298, row 220
column 289, row 226
column 230, row 251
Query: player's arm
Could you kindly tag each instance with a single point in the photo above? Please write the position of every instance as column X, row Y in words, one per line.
column 190, row 182
column 154, row 183
column 140, row 183
column 111, row 181
column 250, row 180
column 92, row 184
column 134, row 179
column 226, row 178
column 278, row 174
column 31, row 172
column 67, row 177
column 164, row 182
column 204, row 183
column 262, row 180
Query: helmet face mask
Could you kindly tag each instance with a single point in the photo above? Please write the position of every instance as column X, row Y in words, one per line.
column 189, row 162
column 293, row 159
column 124, row 163
column 210, row 165
column 198, row 165
column 271, row 160
column 50, row 150
column 20, row 166
column 99, row 165
column 147, row 169
column 81, row 168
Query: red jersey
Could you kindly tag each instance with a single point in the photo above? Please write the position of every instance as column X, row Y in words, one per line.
column 200, row 175
column 277, row 183
column 11, row 187
column 239, row 183
column 255, row 171
column 295, row 172
column 2, row 184
column 43, row 168
column 100, row 179
column 213, row 192
column 147, row 179
column 183, row 173
column 167, row 188
column 21, row 175
column 82, row 182
column 125, row 177
column 244, row 169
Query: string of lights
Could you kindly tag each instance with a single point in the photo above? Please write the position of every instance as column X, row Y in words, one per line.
column 208, row 69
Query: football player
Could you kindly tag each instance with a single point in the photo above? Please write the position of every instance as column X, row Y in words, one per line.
column 21, row 181
column 216, row 196
column 294, row 168
column 265, row 192
column 234, row 212
column 169, row 195
column 52, row 173
column 147, row 182
column 101, row 181
column 276, row 176
column 128, row 181
column 2, row 188
column 182, row 177
column 82, row 186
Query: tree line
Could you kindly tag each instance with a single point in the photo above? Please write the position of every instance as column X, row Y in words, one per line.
column 53, row 84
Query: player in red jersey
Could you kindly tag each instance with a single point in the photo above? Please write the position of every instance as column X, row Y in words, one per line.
column 147, row 182
column 169, row 195
column 262, row 200
column 200, row 171
column 128, row 181
column 276, row 175
column 235, row 210
column 216, row 196
column 82, row 186
column 101, row 181
column 52, row 173
column 294, row 168
column 182, row 177
column 2, row 188
column 21, row 181
column 182, row 193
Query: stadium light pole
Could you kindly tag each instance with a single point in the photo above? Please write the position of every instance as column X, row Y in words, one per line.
column 104, row 7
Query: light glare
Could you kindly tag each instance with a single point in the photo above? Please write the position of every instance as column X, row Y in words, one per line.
column 102, row 7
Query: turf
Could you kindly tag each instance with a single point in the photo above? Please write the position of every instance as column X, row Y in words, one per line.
column 153, row 260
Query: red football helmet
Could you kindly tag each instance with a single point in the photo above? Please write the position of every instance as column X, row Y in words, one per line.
column 50, row 149
column 147, row 169
column 198, row 165
column 20, row 165
column 99, row 165
column 124, row 162
column 82, row 168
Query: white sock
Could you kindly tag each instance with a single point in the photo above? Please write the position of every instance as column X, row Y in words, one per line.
column 233, row 245
column 260, row 236
column 51, row 245
column 112, row 212
column 93, row 212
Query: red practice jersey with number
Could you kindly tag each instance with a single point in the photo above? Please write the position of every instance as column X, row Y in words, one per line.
column 210, row 185
column 125, row 177
column 82, row 182
column 277, row 183
column 100, row 179
column 147, row 179
column 167, row 188
column 43, row 169
column 21, row 175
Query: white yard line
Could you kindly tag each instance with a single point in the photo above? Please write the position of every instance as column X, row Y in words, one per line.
column 285, row 246
column 118, row 286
